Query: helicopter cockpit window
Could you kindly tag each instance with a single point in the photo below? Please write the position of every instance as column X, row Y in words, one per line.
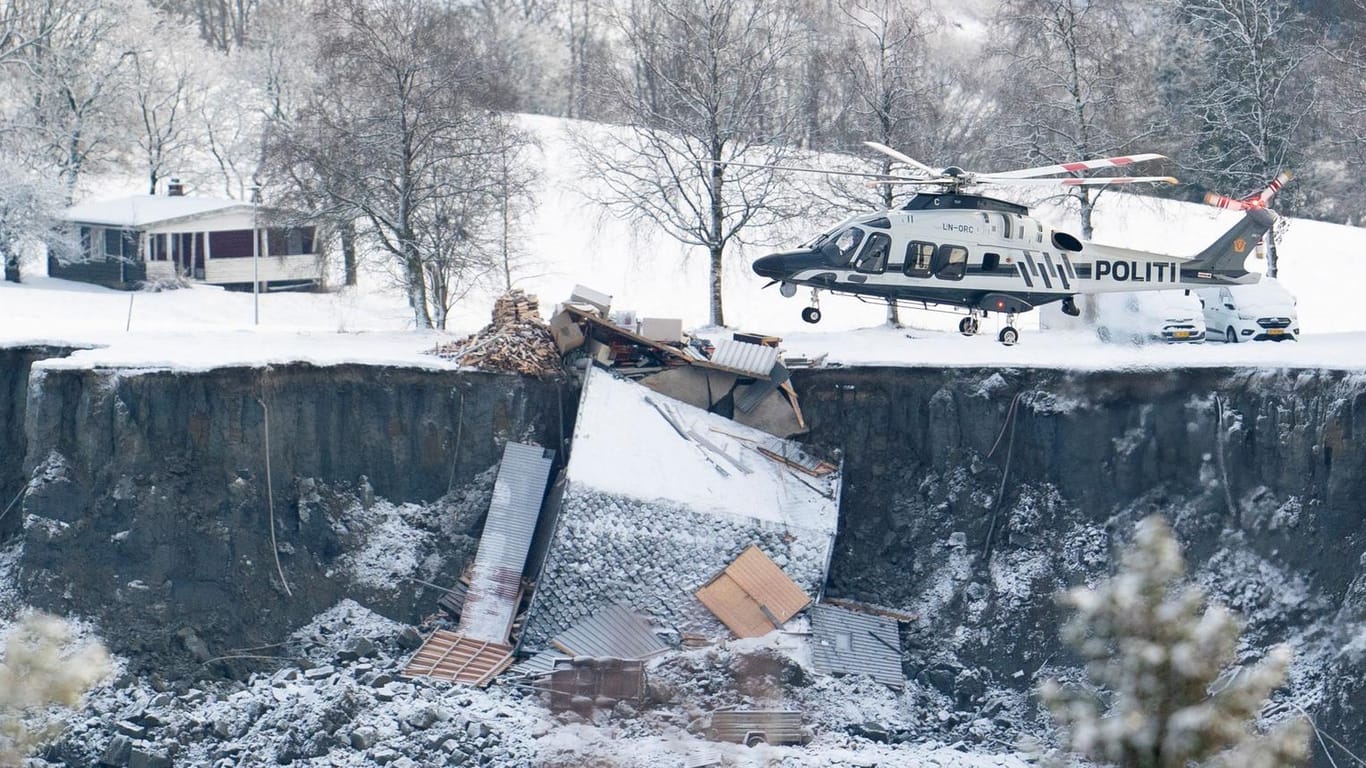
column 847, row 242
column 950, row 261
column 873, row 260
column 918, row 257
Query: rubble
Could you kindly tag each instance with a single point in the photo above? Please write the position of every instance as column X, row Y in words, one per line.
column 516, row 341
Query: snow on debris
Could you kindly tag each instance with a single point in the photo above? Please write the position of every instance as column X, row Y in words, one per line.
column 616, row 424
column 647, row 518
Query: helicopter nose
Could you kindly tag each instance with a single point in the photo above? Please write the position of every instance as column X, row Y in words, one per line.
column 770, row 266
column 780, row 266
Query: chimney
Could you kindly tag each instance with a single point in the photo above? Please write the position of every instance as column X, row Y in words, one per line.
column 174, row 188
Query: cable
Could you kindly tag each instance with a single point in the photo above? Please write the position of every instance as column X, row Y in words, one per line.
column 1005, row 471
column 270, row 493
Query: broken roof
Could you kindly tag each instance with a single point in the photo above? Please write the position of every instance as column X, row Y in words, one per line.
column 616, row 418
column 614, row 632
column 753, row 596
column 451, row 656
column 845, row 642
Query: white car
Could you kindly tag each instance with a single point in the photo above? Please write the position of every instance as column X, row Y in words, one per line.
column 1133, row 318
column 1171, row 316
column 1262, row 311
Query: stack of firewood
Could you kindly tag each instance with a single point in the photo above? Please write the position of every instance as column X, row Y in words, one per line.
column 517, row 341
column 514, row 306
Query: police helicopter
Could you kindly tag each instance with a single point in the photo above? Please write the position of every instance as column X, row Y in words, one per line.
column 949, row 247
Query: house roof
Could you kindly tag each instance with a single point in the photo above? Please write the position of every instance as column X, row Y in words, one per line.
column 146, row 210
column 496, row 579
column 844, row 642
column 753, row 596
column 613, row 632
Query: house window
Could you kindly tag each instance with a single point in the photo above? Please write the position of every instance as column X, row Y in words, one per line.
column 230, row 244
column 86, row 241
column 290, row 241
column 844, row 642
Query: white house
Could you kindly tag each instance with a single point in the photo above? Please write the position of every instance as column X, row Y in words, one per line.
column 206, row 239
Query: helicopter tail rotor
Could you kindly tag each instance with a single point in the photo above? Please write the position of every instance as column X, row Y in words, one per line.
column 1260, row 199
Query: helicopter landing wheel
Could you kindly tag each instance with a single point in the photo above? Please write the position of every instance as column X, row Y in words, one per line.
column 812, row 314
column 1008, row 336
column 968, row 326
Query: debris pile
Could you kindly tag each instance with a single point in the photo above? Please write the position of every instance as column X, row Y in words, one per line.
column 741, row 377
column 517, row 341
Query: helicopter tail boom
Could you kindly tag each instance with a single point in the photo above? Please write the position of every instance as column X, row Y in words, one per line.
column 1222, row 261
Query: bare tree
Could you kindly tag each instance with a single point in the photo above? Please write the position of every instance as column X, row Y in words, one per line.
column 1239, row 94
column 75, row 114
column 166, row 80
column 702, row 89
column 392, row 136
column 29, row 207
column 1076, row 88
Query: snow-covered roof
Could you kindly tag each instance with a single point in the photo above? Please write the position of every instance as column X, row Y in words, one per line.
column 145, row 210
column 617, row 418
column 660, row 498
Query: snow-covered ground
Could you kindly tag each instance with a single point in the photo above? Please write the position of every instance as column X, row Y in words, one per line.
column 567, row 243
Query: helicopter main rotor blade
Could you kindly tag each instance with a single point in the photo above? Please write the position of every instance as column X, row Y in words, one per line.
column 1096, row 182
column 1080, row 165
column 895, row 155
column 799, row 169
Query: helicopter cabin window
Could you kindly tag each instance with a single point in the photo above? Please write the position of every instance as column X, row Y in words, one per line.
column 847, row 242
column 873, row 260
column 990, row 261
column 950, row 261
column 918, row 257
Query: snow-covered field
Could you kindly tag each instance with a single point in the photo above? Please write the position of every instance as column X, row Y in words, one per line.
column 568, row 243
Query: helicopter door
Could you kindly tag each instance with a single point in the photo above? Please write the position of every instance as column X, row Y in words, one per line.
column 950, row 261
column 873, row 260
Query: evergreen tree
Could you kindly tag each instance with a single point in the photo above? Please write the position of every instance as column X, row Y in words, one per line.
column 1154, row 647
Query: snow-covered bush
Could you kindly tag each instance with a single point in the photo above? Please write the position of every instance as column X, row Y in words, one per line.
column 1159, row 655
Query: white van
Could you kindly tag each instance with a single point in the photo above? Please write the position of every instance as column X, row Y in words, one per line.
column 1262, row 311
column 1133, row 318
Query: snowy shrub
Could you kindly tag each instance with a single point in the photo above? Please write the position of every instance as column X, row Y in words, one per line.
column 1159, row 656
column 41, row 669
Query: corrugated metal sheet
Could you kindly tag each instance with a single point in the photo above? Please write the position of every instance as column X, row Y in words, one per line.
column 495, row 581
column 771, row 726
column 848, row 643
column 613, row 632
column 750, row 359
column 760, row 389
column 451, row 656
column 540, row 664
column 753, row 596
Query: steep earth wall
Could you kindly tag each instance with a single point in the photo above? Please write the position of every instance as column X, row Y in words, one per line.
column 972, row 496
column 148, row 505
column 15, row 363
